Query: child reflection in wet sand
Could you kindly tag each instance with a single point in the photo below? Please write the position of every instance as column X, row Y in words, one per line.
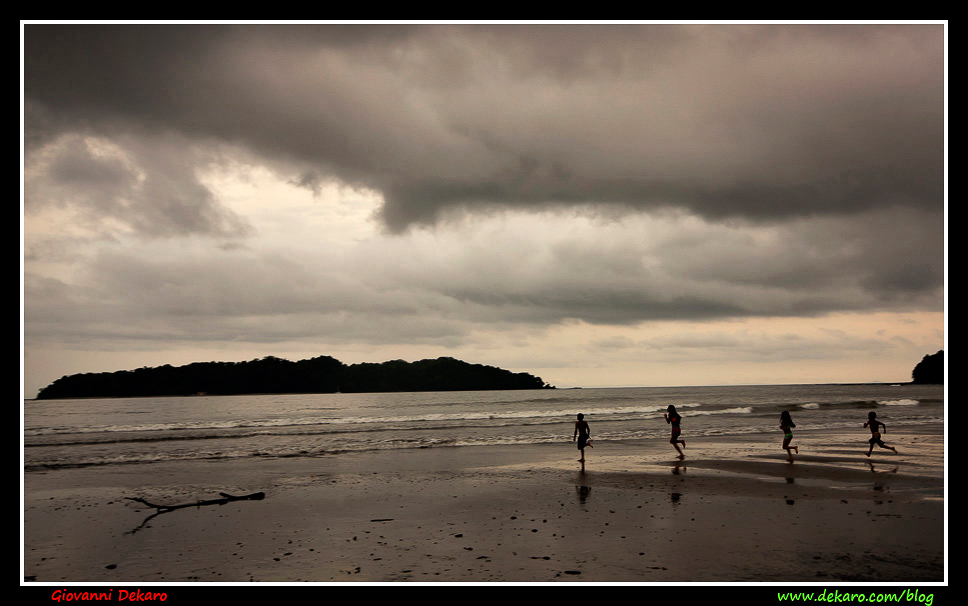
column 874, row 424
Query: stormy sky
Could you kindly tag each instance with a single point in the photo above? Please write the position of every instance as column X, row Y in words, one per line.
column 597, row 204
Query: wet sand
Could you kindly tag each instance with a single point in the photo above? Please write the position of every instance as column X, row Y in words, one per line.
column 734, row 510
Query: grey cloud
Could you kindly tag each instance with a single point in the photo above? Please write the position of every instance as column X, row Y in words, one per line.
column 758, row 122
column 441, row 288
column 151, row 188
column 626, row 272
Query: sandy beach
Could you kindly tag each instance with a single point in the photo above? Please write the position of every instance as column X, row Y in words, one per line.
column 734, row 510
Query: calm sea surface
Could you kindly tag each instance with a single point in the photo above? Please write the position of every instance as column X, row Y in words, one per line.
column 132, row 431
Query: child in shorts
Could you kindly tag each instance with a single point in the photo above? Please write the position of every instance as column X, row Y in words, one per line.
column 876, row 426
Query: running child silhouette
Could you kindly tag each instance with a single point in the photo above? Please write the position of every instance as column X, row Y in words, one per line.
column 874, row 424
column 787, row 425
column 583, row 434
column 673, row 418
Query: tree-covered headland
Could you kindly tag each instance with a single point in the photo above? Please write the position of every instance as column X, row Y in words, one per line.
column 930, row 369
column 323, row 374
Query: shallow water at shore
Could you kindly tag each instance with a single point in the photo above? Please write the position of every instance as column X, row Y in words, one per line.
column 76, row 433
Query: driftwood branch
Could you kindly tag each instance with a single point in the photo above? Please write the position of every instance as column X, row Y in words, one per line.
column 226, row 498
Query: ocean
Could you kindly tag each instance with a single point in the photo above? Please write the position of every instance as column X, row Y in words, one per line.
column 61, row 434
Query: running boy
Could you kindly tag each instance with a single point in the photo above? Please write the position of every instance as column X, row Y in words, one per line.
column 874, row 424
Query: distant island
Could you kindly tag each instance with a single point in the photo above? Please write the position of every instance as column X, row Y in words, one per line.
column 930, row 370
column 323, row 374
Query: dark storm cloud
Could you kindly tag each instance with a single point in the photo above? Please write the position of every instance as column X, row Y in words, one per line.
column 735, row 121
column 670, row 173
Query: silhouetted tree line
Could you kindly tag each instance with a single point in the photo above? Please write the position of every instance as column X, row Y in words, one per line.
column 930, row 369
column 322, row 374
